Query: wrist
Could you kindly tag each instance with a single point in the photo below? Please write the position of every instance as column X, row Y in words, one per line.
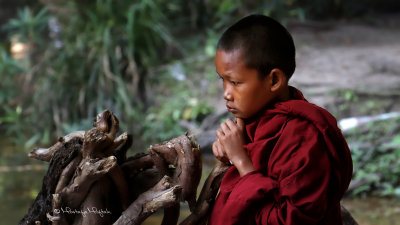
column 244, row 166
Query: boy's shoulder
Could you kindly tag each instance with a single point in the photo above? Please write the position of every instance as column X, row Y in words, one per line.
column 299, row 107
column 298, row 112
column 298, row 115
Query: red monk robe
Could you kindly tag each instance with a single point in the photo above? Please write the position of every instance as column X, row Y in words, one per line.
column 302, row 167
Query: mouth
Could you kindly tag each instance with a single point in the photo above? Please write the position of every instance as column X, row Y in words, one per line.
column 231, row 109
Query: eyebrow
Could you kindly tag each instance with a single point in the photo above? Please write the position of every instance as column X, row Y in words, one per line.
column 225, row 76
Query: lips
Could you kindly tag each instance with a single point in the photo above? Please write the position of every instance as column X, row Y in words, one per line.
column 231, row 109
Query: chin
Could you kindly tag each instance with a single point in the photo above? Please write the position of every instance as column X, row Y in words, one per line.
column 240, row 116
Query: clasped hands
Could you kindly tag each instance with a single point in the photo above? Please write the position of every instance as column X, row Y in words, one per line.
column 228, row 147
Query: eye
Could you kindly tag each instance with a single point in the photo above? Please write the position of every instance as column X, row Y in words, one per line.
column 235, row 83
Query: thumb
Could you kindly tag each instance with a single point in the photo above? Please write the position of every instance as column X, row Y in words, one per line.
column 240, row 123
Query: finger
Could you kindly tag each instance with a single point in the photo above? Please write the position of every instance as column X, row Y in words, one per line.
column 224, row 128
column 217, row 150
column 219, row 134
column 231, row 124
column 240, row 123
column 221, row 149
column 221, row 153
column 214, row 149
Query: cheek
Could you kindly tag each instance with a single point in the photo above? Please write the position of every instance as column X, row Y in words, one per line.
column 246, row 100
column 254, row 100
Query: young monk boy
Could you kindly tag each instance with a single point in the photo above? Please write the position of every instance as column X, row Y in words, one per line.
column 290, row 162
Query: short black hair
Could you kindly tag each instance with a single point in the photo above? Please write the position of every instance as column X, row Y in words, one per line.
column 264, row 44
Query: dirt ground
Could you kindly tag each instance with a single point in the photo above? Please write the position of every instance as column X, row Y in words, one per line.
column 357, row 61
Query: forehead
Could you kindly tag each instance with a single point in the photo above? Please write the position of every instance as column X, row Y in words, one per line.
column 227, row 62
column 233, row 57
column 230, row 64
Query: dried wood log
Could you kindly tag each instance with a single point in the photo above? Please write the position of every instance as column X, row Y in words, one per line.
column 140, row 174
column 137, row 163
column 68, row 173
column 188, row 170
column 43, row 202
column 183, row 155
column 88, row 172
column 89, row 163
column 45, row 154
column 107, row 122
column 171, row 215
column 166, row 152
column 56, row 219
column 86, row 179
column 347, row 217
column 118, row 178
column 160, row 162
column 100, row 141
column 207, row 196
column 120, row 152
column 162, row 195
column 94, row 163
column 95, row 206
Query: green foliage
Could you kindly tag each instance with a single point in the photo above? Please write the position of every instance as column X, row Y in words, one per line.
column 101, row 63
column 163, row 123
column 353, row 103
column 375, row 151
column 8, row 68
column 27, row 26
column 375, row 146
column 284, row 9
column 10, row 109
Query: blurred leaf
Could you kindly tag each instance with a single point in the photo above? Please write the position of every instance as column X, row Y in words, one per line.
column 32, row 141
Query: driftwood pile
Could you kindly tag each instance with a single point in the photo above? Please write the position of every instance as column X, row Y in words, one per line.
column 91, row 181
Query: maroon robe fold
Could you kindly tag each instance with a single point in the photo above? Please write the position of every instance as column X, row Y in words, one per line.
column 302, row 167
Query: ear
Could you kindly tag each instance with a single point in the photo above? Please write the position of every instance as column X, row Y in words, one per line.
column 278, row 79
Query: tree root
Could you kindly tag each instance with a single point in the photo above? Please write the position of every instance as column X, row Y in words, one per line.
column 184, row 156
column 88, row 172
column 45, row 154
column 207, row 196
column 162, row 195
column 171, row 215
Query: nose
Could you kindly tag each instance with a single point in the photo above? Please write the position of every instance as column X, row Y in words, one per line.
column 227, row 93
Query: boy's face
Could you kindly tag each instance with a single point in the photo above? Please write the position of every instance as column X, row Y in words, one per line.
column 245, row 93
